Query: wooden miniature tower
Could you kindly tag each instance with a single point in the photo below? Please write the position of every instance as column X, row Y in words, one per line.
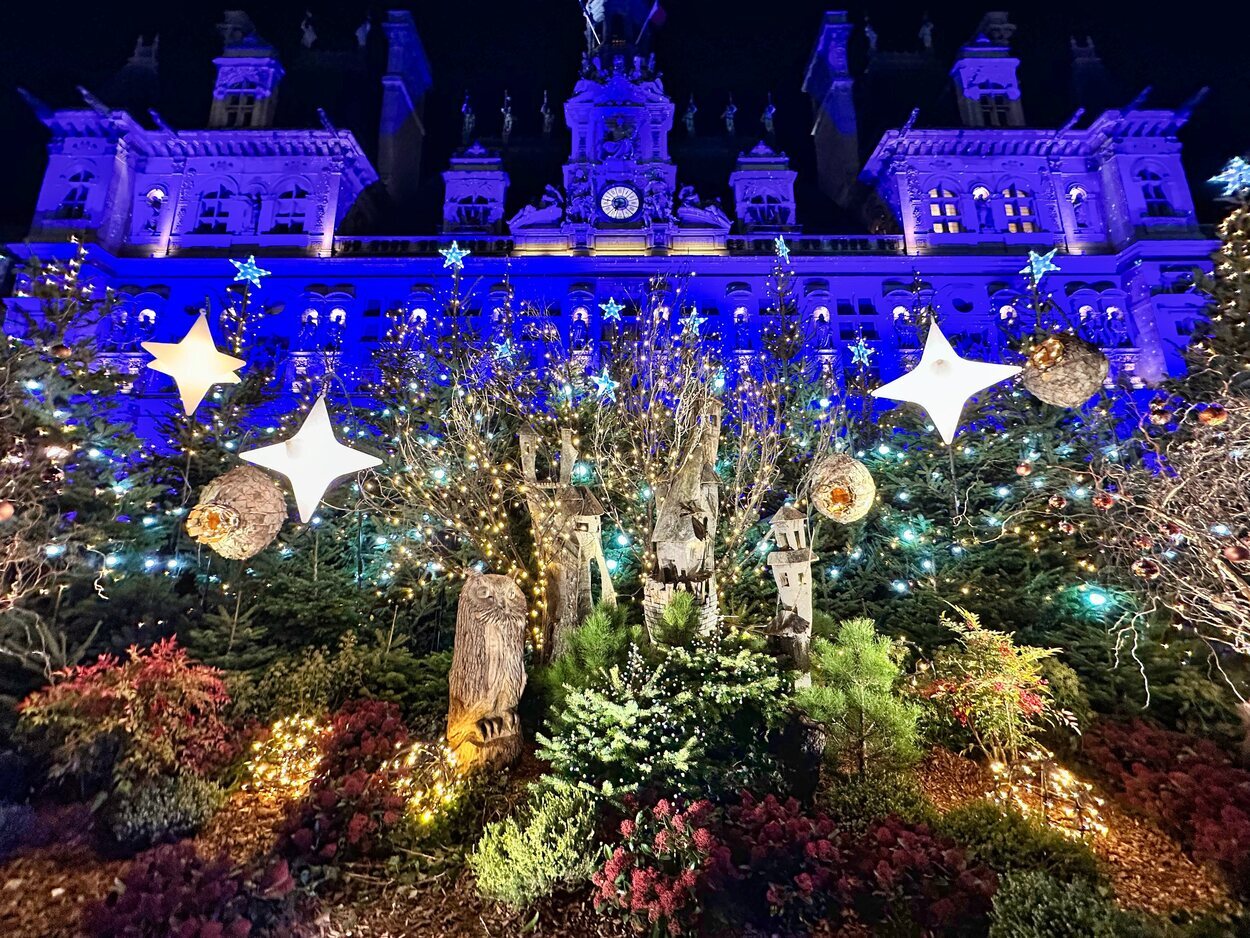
column 791, row 563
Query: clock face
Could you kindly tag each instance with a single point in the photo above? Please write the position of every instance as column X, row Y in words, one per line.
column 619, row 202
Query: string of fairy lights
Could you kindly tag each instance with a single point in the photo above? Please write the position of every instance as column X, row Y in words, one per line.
column 451, row 497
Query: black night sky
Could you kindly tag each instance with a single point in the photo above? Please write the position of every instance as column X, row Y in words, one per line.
column 708, row 47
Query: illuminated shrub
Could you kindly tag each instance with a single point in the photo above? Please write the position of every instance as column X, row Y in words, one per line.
column 286, row 759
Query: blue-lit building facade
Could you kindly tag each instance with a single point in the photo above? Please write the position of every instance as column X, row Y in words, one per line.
column 942, row 216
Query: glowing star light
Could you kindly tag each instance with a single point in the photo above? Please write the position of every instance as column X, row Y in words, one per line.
column 783, row 249
column 605, row 386
column 1234, row 177
column 312, row 460
column 692, row 323
column 195, row 364
column 861, row 353
column 249, row 270
column 611, row 310
column 942, row 382
column 454, row 256
column 1039, row 265
column 504, row 350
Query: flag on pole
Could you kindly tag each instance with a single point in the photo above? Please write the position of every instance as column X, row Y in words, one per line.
column 657, row 16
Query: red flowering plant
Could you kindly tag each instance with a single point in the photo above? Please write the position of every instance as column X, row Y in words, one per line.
column 992, row 689
column 355, row 797
column 1189, row 785
column 667, row 861
column 121, row 723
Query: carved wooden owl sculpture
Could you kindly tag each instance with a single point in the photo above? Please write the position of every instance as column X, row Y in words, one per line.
column 487, row 672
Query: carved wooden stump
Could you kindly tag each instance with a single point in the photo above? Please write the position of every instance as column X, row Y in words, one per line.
column 487, row 672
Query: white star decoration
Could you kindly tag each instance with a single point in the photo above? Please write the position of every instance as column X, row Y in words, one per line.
column 195, row 364
column 605, row 385
column 312, row 460
column 942, row 382
column 782, row 249
column 1234, row 178
column 249, row 270
column 454, row 256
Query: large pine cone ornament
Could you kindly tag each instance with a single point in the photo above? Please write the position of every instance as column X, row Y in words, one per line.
column 842, row 488
column 1064, row 370
column 239, row 514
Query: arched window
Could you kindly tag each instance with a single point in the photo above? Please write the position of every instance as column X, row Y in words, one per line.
column 1154, row 194
column 944, row 210
column 213, row 216
column 74, row 203
column 290, row 211
column 1018, row 209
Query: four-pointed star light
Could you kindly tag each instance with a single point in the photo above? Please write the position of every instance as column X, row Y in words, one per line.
column 194, row 363
column 942, row 382
column 313, row 459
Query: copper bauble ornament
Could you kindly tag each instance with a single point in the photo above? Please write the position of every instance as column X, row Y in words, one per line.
column 1064, row 370
column 1142, row 542
column 1104, row 501
column 1058, row 502
column 1146, row 568
column 1067, row 527
column 1024, row 469
column 239, row 514
column 1159, row 416
column 1213, row 415
column 842, row 488
column 6, row 510
column 1236, row 553
column 61, row 351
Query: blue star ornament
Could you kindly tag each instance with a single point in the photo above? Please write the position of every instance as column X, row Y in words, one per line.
column 783, row 249
column 1234, row 177
column 504, row 350
column 692, row 322
column 249, row 270
column 611, row 310
column 861, row 353
column 605, row 386
column 454, row 256
column 1040, row 265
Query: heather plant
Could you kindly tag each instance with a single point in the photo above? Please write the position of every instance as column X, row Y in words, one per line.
column 991, row 688
column 854, row 696
column 118, row 724
column 667, row 862
column 520, row 860
column 166, row 809
column 172, row 890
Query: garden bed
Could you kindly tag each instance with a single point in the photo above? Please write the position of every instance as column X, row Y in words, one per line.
column 1146, row 868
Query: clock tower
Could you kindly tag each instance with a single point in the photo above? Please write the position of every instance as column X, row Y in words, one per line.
column 620, row 185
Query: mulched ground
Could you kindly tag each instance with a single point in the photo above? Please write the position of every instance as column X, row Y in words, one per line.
column 42, row 891
column 1146, row 868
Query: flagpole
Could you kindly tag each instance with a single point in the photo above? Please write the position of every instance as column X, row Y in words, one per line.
column 586, row 16
column 647, row 21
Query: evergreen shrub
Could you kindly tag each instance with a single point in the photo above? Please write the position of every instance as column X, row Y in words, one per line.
column 1008, row 841
column 857, row 801
column 1034, row 904
column 520, row 860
